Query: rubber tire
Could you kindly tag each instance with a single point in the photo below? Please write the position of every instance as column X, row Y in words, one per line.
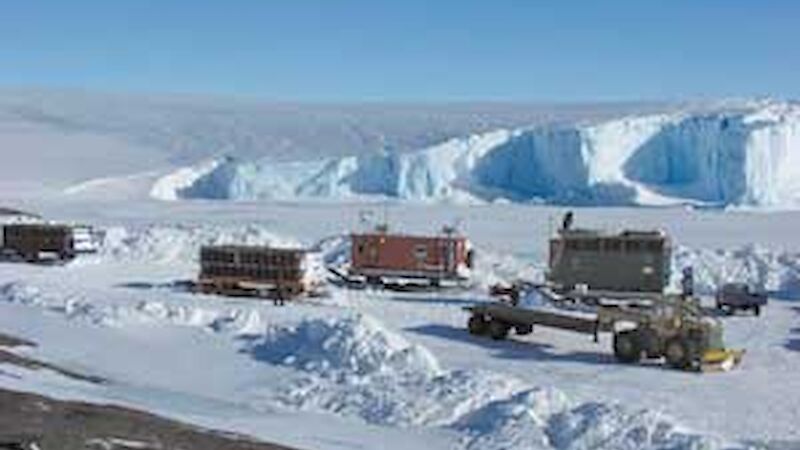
column 477, row 325
column 757, row 310
column 678, row 353
column 523, row 330
column 627, row 348
column 650, row 344
column 498, row 330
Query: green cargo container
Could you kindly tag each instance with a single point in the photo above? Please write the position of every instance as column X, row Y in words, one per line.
column 630, row 261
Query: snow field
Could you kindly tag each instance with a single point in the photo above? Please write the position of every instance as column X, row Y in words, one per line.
column 353, row 366
column 349, row 364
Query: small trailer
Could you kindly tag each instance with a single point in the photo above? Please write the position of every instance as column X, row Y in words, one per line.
column 390, row 260
column 675, row 328
column 37, row 242
column 259, row 271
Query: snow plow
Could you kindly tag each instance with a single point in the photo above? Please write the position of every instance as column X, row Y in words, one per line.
column 259, row 271
column 406, row 262
column 673, row 329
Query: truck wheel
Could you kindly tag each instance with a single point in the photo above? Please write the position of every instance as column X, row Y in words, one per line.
column 651, row 345
column 522, row 330
column 477, row 325
column 678, row 353
column 627, row 347
column 498, row 330
column 757, row 310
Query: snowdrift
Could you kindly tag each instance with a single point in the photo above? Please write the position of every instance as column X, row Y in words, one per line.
column 356, row 367
column 742, row 157
column 170, row 244
column 777, row 273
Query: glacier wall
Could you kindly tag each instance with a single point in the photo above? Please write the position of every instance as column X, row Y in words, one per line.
column 744, row 157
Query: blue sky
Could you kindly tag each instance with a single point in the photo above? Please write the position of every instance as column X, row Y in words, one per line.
column 407, row 50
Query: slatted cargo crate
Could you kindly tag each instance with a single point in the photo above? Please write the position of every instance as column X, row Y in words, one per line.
column 261, row 271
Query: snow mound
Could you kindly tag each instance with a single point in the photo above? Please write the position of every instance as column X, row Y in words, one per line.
column 546, row 419
column 71, row 305
column 604, row 426
column 165, row 244
column 746, row 156
column 774, row 271
column 356, row 367
column 358, row 345
column 242, row 321
column 518, row 421
column 770, row 271
column 335, row 250
column 492, row 267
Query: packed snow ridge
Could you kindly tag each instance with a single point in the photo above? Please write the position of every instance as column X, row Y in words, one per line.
column 747, row 156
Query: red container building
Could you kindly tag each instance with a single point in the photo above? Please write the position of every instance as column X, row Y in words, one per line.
column 378, row 255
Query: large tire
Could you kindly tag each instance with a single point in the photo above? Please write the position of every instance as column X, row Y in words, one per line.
column 477, row 325
column 627, row 348
column 523, row 330
column 757, row 310
column 498, row 330
column 651, row 345
column 678, row 353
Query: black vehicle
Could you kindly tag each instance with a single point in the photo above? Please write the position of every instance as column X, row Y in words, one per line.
column 733, row 296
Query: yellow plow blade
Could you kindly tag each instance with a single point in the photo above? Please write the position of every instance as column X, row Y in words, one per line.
column 721, row 360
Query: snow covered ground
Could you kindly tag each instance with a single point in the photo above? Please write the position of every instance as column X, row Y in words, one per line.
column 365, row 369
column 373, row 365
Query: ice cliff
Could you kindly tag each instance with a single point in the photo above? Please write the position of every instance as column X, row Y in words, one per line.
column 748, row 156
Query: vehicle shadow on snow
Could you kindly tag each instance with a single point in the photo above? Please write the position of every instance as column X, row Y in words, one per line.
column 793, row 343
column 516, row 349
column 177, row 285
column 435, row 300
column 264, row 352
